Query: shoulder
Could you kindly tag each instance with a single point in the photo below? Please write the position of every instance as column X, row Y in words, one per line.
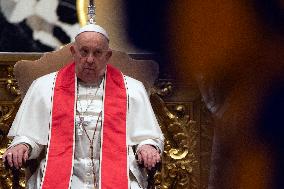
column 134, row 87
column 44, row 82
column 129, row 81
column 46, row 78
column 40, row 90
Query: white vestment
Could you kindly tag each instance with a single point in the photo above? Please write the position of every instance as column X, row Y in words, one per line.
column 31, row 126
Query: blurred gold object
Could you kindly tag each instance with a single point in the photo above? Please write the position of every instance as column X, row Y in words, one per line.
column 82, row 9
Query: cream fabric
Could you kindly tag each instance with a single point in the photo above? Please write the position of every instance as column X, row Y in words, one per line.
column 93, row 28
column 31, row 125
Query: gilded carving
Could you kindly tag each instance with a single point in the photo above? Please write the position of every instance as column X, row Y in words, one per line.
column 9, row 178
column 11, row 83
column 179, row 159
column 8, row 109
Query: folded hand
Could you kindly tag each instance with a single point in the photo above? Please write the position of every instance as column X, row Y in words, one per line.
column 148, row 156
column 16, row 155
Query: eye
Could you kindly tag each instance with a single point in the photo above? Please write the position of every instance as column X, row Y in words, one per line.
column 84, row 52
column 98, row 53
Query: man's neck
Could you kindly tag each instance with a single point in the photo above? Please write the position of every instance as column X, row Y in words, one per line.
column 91, row 84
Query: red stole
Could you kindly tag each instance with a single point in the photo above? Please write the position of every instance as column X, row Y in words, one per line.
column 59, row 159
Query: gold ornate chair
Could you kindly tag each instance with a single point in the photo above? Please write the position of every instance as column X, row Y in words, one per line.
column 187, row 142
column 26, row 71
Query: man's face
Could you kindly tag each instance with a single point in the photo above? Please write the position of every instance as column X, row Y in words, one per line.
column 91, row 54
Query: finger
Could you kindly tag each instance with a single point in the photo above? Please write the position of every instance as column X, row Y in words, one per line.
column 20, row 158
column 15, row 160
column 158, row 158
column 139, row 157
column 26, row 156
column 154, row 158
column 142, row 158
column 147, row 160
column 153, row 162
column 9, row 159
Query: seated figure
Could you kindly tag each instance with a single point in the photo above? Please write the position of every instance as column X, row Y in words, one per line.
column 89, row 120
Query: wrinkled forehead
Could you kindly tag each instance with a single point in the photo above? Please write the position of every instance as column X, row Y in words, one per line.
column 91, row 39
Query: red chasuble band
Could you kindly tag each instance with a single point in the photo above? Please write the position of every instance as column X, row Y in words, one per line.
column 114, row 172
column 59, row 163
column 59, row 160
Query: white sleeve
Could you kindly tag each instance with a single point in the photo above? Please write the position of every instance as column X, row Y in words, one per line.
column 142, row 125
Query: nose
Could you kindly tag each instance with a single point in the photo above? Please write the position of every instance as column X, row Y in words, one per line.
column 90, row 58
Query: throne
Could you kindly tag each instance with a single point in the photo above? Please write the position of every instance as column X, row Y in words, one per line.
column 186, row 155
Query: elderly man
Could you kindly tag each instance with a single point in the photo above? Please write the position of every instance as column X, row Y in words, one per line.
column 90, row 119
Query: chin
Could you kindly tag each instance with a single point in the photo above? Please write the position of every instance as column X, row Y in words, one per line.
column 88, row 81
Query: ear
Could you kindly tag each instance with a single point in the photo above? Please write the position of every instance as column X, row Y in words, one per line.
column 72, row 49
column 109, row 54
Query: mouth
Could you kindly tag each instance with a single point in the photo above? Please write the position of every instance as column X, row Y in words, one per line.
column 89, row 70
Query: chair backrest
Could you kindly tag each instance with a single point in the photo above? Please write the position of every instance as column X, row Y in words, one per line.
column 26, row 71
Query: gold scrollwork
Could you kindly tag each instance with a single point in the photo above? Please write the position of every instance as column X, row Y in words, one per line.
column 163, row 88
column 11, row 83
column 11, row 86
column 179, row 159
column 9, row 178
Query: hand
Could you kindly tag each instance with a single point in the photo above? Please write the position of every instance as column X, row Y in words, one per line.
column 148, row 155
column 16, row 155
